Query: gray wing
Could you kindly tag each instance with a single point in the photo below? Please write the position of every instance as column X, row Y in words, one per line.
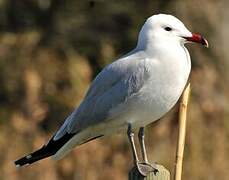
column 113, row 86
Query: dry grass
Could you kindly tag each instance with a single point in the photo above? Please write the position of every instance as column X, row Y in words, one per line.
column 46, row 69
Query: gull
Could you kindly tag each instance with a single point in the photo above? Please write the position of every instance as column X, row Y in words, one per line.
column 130, row 93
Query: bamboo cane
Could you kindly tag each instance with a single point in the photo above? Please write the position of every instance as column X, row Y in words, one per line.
column 181, row 135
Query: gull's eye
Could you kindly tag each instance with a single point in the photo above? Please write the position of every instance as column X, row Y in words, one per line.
column 168, row 28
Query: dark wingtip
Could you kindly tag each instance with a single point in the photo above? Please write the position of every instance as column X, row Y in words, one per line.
column 47, row 150
column 22, row 161
column 33, row 157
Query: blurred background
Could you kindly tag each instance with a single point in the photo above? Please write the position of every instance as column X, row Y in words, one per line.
column 50, row 50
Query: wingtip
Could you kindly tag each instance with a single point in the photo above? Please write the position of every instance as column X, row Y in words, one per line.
column 46, row 151
column 18, row 166
column 23, row 161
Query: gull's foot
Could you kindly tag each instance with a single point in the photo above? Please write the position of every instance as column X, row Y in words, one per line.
column 146, row 168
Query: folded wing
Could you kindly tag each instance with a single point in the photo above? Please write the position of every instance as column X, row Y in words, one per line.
column 114, row 85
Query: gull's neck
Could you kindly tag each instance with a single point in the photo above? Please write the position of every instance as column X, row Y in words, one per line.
column 169, row 53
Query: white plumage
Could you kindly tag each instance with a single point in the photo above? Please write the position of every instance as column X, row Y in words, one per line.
column 137, row 89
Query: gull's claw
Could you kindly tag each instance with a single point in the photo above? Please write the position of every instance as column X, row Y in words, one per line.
column 146, row 168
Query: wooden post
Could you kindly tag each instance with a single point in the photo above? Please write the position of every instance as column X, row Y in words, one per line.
column 162, row 174
column 181, row 134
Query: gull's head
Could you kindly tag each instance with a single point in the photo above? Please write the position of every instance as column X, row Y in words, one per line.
column 163, row 28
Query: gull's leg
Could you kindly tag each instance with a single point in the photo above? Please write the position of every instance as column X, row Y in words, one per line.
column 141, row 137
column 130, row 134
column 145, row 167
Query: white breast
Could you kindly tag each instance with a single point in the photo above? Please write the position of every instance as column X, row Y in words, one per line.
column 168, row 77
column 166, row 80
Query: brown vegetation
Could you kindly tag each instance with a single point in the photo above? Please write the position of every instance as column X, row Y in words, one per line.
column 50, row 50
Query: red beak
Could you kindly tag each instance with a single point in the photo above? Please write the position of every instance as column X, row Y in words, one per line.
column 197, row 38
